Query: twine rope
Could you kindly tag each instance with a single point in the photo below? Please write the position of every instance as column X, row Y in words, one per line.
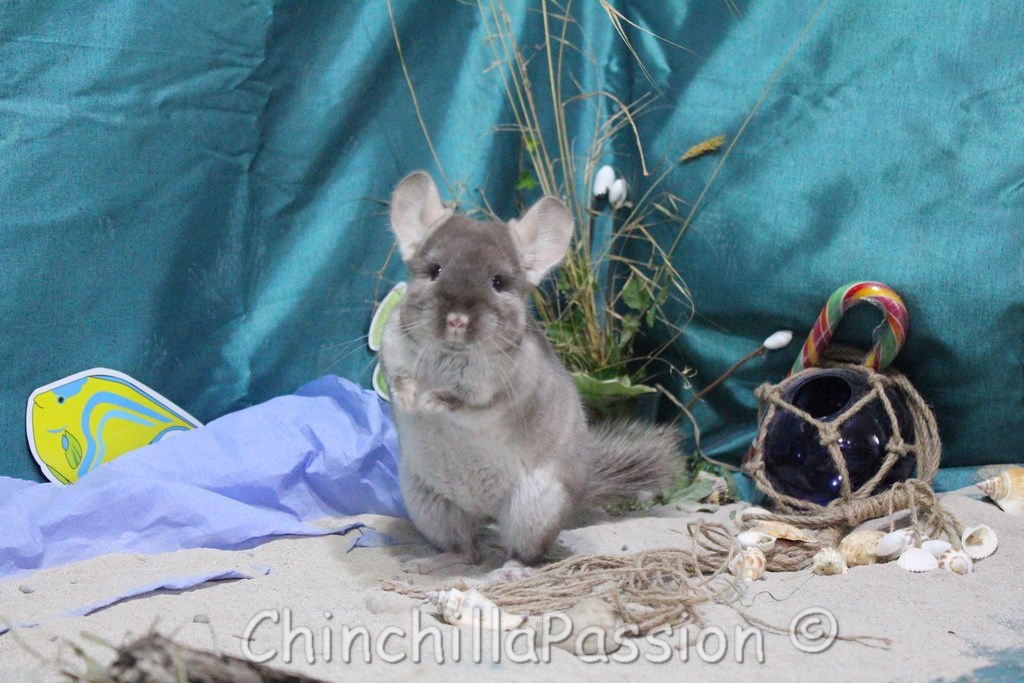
column 650, row 589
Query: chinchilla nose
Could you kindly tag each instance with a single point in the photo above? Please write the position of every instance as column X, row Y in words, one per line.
column 457, row 322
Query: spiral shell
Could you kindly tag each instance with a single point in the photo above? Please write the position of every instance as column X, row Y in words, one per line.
column 749, row 564
column 463, row 608
column 828, row 561
column 858, row 548
column 1006, row 489
column 956, row 561
column 917, row 560
column 979, row 541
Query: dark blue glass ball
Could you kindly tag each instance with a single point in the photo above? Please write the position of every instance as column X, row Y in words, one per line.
column 798, row 465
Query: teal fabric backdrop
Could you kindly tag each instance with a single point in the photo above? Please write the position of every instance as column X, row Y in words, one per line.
column 193, row 192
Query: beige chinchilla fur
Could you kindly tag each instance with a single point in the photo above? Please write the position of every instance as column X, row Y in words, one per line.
column 490, row 425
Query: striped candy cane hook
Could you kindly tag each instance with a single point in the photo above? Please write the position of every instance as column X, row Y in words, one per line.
column 888, row 336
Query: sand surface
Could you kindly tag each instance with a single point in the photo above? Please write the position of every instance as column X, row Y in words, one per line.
column 941, row 626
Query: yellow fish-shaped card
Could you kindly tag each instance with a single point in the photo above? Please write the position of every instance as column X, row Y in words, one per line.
column 78, row 423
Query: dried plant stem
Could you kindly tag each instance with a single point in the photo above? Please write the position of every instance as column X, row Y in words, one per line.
column 759, row 351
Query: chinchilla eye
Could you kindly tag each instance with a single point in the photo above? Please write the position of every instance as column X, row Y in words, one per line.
column 434, row 271
column 498, row 283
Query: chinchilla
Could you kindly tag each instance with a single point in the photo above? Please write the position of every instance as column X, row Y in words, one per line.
column 490, row 425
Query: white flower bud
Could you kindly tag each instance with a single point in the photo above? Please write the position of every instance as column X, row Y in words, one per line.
column 778, row 340
column 603, row 180
column 617, row 193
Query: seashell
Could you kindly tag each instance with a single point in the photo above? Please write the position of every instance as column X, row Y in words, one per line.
column 603, row 180
column 914, row 559
column 749, row 564
column 779, row 340
column 956, row 561
column 786, row 531
column 617, row 193
column 979, row 541
column 828, row 561
column 463, row 608
column 936, row 546
column 895, row 542
column 756, row 539
column 858, row 548
column 1006, row 489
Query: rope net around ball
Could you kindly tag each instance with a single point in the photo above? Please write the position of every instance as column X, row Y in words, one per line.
column 854, row 506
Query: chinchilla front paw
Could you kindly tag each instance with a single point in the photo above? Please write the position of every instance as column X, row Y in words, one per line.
column 439, row 401
column 403, row 393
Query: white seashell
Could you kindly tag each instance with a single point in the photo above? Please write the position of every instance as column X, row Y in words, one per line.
column 956, row 561
column 936, row 546
column 785, row 531
column 979, row 541
column 858, row 548
column 1006, row 489
column 916, row 560
column 779, row 340
column 895, row 542
column 463, row 608
column 755, row 539
column 749, row 564
column 828, row 561
column 603, row 180
column 617, row 193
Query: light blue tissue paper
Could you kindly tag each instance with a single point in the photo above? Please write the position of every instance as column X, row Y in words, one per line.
column 328, row 450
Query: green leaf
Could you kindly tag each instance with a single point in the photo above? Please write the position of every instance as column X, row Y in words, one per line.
column 72, row 449
column 635, row 295
column 526, row 181
column 697, row 491
column 619, row 387
column 630, row 326
column 563, row 281
column 531, row 143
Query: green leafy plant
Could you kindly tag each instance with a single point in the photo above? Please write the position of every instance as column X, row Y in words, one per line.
column 604, row 297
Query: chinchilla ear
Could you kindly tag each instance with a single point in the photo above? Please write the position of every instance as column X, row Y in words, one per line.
column 543, row 235
column 416, row 209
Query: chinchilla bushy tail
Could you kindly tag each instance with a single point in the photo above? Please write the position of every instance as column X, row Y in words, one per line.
column 630, row 459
